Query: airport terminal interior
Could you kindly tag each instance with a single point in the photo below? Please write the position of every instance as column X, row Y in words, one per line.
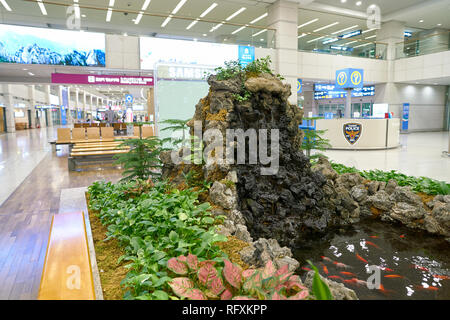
column 224, row 150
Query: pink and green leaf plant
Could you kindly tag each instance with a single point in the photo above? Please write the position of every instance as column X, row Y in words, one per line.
column 203, row 280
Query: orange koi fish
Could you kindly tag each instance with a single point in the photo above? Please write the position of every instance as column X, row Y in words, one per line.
column 359, row 282
column 382, row 289
column 361, row 258
column 374, row 237
column 341, row 265
column 388, row 270
column 427, row 288
column 326, row 259
column 372, row 244
column 325, row 269
column 420, row 268
column 346, row 273
column 394, row 276
column 306, row 269
column 350, row 281
column 402, row 236
column 441, row 277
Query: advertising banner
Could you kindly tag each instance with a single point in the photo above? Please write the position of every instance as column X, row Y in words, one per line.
column 97, row 79
column 64, row 105
column 31, row 45
column 405, row 117
column 299, row 86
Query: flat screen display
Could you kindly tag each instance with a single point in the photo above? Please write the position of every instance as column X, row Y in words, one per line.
column 49, row 46
column 157, row 50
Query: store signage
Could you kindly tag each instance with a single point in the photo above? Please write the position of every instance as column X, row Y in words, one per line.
column 246, row 55
column 405, row 117
column 299, row 86
column 65, row 105
column 349, row 78
column 329, row 91
column 339, row 48
column 352, row 132
column 350, row 34
column 407, row 34
column 39, row 107
column 92, row 79
column 183, row 72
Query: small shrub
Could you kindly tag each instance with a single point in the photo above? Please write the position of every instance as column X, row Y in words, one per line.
column 210, row 280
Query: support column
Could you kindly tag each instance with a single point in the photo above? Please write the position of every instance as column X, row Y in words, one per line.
column 9, row 108
column 283, row 16
column 392, row 33
column 49, row 111
column 32, row 97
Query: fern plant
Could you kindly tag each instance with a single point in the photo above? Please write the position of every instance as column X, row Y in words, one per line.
column 142, row 161
column 314, row 141
column 175, row 125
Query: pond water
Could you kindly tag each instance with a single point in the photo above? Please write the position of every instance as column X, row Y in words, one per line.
column 414, row 265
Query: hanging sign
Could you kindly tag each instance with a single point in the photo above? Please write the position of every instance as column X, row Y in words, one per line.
column 349, row 78
column 405, row 117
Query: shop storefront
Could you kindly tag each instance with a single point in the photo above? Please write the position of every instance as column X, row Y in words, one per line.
column 21, row 116
column 2, row 119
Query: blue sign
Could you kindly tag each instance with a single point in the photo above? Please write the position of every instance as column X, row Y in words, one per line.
column 79, row 114
column 349, row 78
column 407, row 34
column 329, row 91
column 129, row 98
column 299, row 86
column 405, row 117
column 64, row 106
column 350, row 34
column 246, row 55
column 339, row 48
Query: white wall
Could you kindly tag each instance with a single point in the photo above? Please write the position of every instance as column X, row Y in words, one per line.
column 122, row 52
column 429, row 66
column 427, row 104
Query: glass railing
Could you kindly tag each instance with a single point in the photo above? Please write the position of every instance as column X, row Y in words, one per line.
column 328, row 44
column 433, row 43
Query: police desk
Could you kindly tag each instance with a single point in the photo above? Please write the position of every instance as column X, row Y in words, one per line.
column 361, row 134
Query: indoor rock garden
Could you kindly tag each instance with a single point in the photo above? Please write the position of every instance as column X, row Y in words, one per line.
column 206, row 229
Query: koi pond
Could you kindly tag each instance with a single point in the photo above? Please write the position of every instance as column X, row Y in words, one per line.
column 414, row 265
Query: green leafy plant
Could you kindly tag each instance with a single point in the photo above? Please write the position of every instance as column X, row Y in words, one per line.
column 313, row 140
column 175, row 125
column 320, row 289
column 227, row 281
column 417, row 184
column 142, row 160
column 152, row 226
column 234, row 69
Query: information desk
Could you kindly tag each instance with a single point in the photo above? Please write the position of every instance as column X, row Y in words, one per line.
column 361, row 134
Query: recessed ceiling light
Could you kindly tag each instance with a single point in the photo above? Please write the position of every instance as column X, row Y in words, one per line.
column 439, row 24
column 31, row 74
column 421, row 20
column 359, row 3
column 42, row 7
column 138, row 18
column 204, row 34
column 259, row 18
column 192, row 24
column 83, row 15
column 327, row 26
column 166, row 21
column 261, row 39
column 178, row 7
column 145, row 5
column 25, row 69
column 306, row 23
column 258, row 33
column 236, row 13
column 237, row 30
column 108, row 15
column 343, row 1
column 3, row 2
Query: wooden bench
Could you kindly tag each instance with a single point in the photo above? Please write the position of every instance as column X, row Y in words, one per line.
column 92, row 157
column 67, row 273
column 96, row 145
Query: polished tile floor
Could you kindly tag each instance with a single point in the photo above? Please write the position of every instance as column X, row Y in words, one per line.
column 420, row 154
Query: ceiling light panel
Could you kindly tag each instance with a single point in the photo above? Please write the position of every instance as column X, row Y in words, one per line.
column 42, row 7
column 211, row 7
column 327, row 26
column 259, row 18
column 307, row 23
column 236, row 13
column 349, row 28
column 145, row 5
column 178, row 7
column 5, row 5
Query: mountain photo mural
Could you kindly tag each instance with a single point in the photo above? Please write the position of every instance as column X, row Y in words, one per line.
column 30, row 45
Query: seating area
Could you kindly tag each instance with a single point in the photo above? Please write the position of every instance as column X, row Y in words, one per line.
column 93, row 153
column 67, row 273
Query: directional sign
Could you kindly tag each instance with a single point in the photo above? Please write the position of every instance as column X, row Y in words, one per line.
column 299, row 86
column 349, row 78
column 246, row 55
column 129, row 98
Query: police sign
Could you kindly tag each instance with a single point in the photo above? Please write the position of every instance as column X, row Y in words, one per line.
column 349, row 78
column 352, row 132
